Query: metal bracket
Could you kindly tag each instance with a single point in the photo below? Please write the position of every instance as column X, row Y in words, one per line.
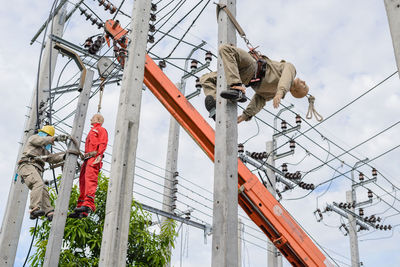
column 364, row 182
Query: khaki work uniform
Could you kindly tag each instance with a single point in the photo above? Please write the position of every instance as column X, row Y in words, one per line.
column 31, row 169
column 240, row 67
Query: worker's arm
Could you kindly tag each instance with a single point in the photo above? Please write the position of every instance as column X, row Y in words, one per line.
column 101, row 140
column 255, row 105
column 55, row 158
column 38, row 141
column 286, row 80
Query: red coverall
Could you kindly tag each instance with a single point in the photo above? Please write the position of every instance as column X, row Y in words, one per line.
column 96, row 140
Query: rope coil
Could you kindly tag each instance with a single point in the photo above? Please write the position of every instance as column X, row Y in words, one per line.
column 311, row 110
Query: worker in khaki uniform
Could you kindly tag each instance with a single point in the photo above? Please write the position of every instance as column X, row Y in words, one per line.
column 95, row 146
column 241, row 69
column 31, row 167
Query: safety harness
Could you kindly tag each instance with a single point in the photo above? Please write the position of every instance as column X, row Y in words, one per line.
column 263, row 62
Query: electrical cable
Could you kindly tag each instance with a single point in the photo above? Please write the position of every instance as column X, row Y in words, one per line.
column 33, row 238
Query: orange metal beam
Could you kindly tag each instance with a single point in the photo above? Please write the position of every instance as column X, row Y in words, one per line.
column 254, row 198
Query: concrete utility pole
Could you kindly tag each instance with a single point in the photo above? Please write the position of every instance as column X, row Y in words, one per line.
column 225, row 208
column 393, row 13
column 350, row 198
column 120, row 190
column 272, row 250
column 54, row 244
column 240, row 237
column 15, row 209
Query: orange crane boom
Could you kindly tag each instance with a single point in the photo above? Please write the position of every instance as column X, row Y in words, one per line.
column 265, row 211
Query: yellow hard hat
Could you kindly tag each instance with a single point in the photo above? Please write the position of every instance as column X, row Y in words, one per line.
column 48, row 129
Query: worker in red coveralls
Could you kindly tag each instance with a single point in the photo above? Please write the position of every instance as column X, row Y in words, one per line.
column 95, row 145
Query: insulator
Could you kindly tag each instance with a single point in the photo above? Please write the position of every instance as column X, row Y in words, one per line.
column 107, row 6
column 298, row 119
column 370, row 195
column 173, row 206
column 174, row 198
column 240, row 146
column 292, row 144
column 198, row 84
column 390, row 227
column 115, row 25
column 187, row 217
column 193, row 64
column 381, row 227
column 88, row 16
column 83, row 11
column 175, row 182
column 283, row 125
column 153, row 17
column 385, row 227
column 379, row 219
column 176, row 174
column 153, row 7
column 174, row 190
column 302, row 185
column 151, row 39
column 100, row 25
column 208, row 56
column 93, row 20
column 327, row 209
column 101, row 2
column 341, row 204
column 162, row 64
column 152, row 28
column 308, row 186
column 377, row 226
column 284, row 167
column 361, row 177
column 88, row 42
column 371, row 219
column 287, row 175
column 113, row 9
column 374, row 172
column 312, row 186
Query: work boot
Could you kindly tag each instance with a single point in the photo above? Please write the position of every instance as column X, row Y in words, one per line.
column 50, row 215
column 77, row 215
column 210, row 104
column 35, row 213
column 235, row 93
column 83, row 209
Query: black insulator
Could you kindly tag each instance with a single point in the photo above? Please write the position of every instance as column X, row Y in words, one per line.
column 389, row 227
column 153, row 7
column 312, row 186
column 381, row 227
column 208, row 56
column 174, row 190
column 88, row 16
column 292, row 144
column 264, row 155
column 361, row 212
column 374, row 172
column 283, row 125
column 173, row 206
column 287, row 175
column 361, row 177
column 297, row 175
column 174, row 198
column 198, row 84
column 377, row 226
column 88, row 42
column 176, row 174
column 162, row 64
column 152, row 28
column 370, row 195
column 83, row 11
column 379, row 219
column 385, row 227
column 341, row 205
column 100, row 25
column 153, row 17
column 284, row 167
column 187, row 217
column 151, row 39
column 101, row 2
column 240, row 146
column 308, row 186
column 193, row 64
column 353, row 205
column 298, row 119
column 93, row 20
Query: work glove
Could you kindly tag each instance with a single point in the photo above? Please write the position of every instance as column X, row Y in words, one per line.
column 61, row 138
column 90, row 154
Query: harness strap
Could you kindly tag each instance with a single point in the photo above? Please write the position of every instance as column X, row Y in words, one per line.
column 311, row 109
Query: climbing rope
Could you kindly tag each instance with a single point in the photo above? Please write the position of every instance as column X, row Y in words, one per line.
column 311, row 110
column 101, row 86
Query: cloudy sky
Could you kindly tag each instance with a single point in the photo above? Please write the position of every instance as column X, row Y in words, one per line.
column 341, row 48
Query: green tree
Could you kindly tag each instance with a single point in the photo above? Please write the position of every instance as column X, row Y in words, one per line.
column 82, row 238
